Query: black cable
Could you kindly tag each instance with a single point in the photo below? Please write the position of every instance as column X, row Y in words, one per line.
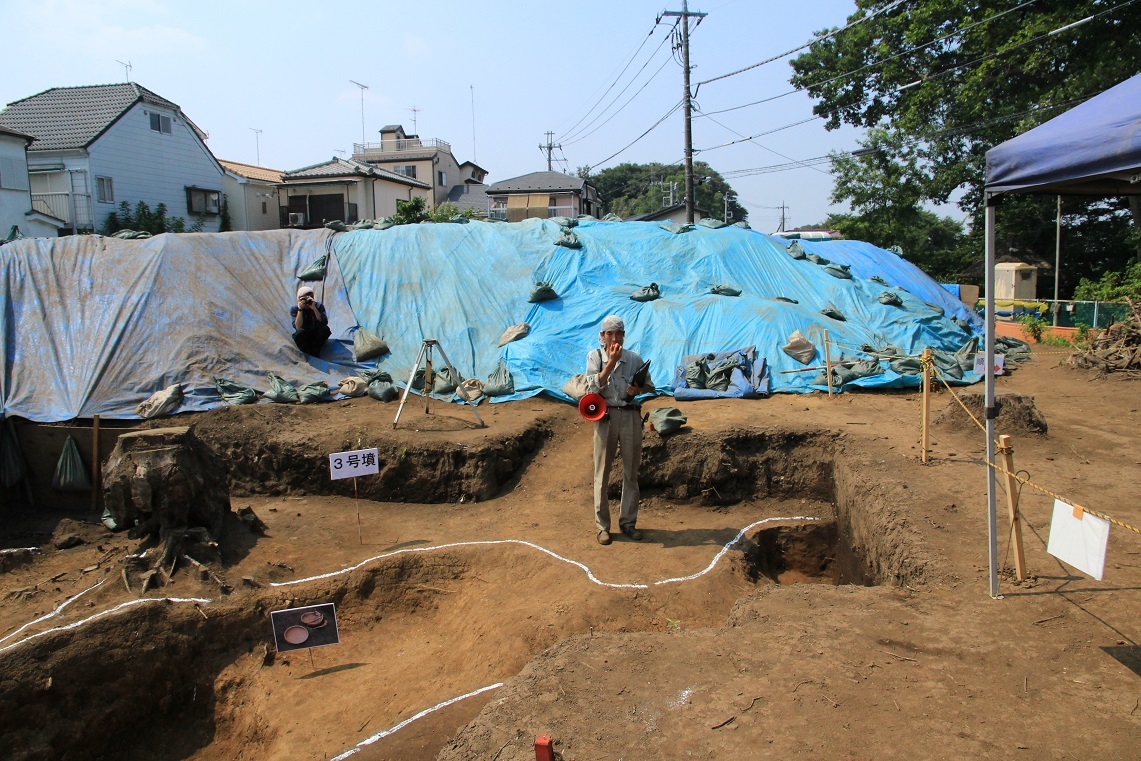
column 669, row 113
column 622, row 107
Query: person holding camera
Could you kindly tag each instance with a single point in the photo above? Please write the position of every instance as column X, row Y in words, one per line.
column 618, row 375
column 310, row 323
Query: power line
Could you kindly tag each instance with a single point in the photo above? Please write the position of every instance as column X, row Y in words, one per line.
column 623, row 106
column 765, row 147
column 578, row 135
column 665, row 116
column 808, row 44
column 645, row 39
column 760, row 134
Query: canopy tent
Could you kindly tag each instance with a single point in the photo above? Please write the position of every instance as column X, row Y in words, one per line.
column 1092, row 149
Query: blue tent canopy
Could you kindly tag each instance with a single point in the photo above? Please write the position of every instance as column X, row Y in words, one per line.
column 1092, row 149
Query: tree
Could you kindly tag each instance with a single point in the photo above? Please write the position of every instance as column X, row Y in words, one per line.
column 1113, row 286
column 447, row 211
column 944, row 82
column 629, row 189
column 224, row 222
column 410, row 212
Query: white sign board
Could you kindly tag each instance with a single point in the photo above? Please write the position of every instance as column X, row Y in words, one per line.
column 1079, row 541
column 359, row 462
column 999, row 363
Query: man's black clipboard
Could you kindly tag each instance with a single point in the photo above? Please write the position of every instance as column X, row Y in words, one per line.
column 642, row 373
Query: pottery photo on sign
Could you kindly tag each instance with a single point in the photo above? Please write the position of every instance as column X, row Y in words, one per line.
column 310, row 626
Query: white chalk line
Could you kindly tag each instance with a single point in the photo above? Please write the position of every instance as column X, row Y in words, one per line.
column 410, row 719
column 102, row 614
column 589, row 574
column 20, row 549
column 55, row 612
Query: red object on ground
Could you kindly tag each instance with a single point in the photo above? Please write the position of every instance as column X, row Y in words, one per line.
column 544, row 748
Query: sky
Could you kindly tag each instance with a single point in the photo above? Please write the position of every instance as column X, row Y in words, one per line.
column 490, row 78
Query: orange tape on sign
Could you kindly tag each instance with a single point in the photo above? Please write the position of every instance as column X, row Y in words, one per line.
column 1078, row 512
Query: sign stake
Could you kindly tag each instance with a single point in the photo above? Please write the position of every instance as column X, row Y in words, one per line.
column 357, row 502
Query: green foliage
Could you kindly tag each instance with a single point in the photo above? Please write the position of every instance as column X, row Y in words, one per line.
column 629, row 189
column 142, row 218
column 111, row 224
column 930, row 139
column 1034, row 325
column 1056, row 340
column 1113, row 286
column 410, row 212
column 160, row 219
column 445, row 211
column 126, row 219
column 224, row 222
column 199, row 224
column 175, row 225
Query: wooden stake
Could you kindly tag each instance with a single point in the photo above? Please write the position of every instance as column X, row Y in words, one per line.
column 96, row 470
column 1015, row 527
column 356, row 501
column 828, row 362
column 925, row 416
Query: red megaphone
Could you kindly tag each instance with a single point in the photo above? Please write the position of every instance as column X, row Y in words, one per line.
column 592, row 407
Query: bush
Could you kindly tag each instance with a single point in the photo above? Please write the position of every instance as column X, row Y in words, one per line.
column 1035, row 326
column 1113, row 286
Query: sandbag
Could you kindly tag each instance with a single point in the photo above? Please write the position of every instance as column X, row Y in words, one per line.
column 543, row 291
column 316, row 270
column 725, row 290
column 880, row 280
column 514, row 333
column 818, row 259
column 312, row 392
column 567, row 239
column 444, row 383
column 891, row 299
column 935, row 308
column 697, row 373
column 576, row 387
column 381, row 389
column 842, row 271
column 647, row 293
column 161, row 402
column 353, row 386
column 795, row 250
column 567, row 222
column 713, row 223
column 70, row 475
column 799, row 348
column 785, row 299
column 675, row 228
column 336, row 226
column 612, row 217
column 500, row 382
column 666, row 420
column 280, row 391
column 234, row 393
column 368, row 345
column 13, row 467
column 830, row 310
column 470, row 389
column 722, row 374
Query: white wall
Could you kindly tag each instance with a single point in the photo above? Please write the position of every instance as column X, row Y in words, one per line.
column 246, row 198
column 145, row 165
column 15, row 195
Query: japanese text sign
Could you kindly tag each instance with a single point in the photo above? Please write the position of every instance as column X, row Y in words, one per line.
column 359, row 462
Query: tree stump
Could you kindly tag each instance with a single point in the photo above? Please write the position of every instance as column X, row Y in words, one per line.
column 167, row 485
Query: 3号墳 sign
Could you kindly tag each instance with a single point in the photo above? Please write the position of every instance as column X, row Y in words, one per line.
column 359, row 462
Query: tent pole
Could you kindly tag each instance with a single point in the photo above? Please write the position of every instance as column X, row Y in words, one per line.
column 991, row 412
column 1057, row 258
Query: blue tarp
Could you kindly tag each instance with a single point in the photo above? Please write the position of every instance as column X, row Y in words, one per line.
column 1094, row 148
column 95, row 325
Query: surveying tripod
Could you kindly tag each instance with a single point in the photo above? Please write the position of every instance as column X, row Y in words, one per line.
column 424, row 357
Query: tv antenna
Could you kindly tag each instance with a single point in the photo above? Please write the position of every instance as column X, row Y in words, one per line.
column 414, row 110
column 126, row 68
column 257, row 142
column 363, row 88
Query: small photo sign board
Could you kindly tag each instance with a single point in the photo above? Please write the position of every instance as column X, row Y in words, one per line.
column 300, row 628
column 1078, row 538
column 359, row 462
column 999, row 363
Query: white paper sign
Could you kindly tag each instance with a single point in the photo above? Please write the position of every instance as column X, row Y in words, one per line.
column 999, row 363
column 359, row 462
column 1078, row 541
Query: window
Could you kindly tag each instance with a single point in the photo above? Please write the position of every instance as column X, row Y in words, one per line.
column 104, row 190
column 263, row 208
column 199, row 201
column 160, row 123
column 408, row 170
column 442, row 179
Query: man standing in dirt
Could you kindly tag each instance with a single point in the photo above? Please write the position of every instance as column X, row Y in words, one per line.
column 611, row 372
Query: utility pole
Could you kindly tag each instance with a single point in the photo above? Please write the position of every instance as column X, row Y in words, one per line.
column 725, row 218
column 363, row 88
column 549, row 147
column 783, row 219
column 687, row 99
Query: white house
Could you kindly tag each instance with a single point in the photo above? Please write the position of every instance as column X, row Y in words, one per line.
column 15, row 199
column 251, row 192
column 99, row 145
column 347, row 190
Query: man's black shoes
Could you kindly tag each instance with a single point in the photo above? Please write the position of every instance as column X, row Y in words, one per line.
column 632, row 534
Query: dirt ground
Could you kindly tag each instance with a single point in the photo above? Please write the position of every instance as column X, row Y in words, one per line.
column 470, row 562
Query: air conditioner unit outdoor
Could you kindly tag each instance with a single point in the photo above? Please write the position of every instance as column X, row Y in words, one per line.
column 296, row 218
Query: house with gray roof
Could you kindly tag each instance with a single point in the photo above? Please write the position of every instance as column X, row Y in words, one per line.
column 344, row 189
column 543, row 195
column 99, row 145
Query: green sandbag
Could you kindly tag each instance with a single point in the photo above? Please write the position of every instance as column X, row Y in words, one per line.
column 444, row 384
column 842, row 271
column 935, row 308
column 381, row 388
column 880, row 280
column 500, row 382
column 280, row 391
column 235, row 393
column 418, row 379
column 666, row 420
column 830, row 310
column 675, row 228
column 543, row 291
column 458, row 219
column 316, row 270
column 312, row 392
column 336, row 226
column 725, row 290
column 713, row 223
column 377, row 374
column 785, row 299
column 13, row 468
column 818, row 259
column 383, row 224
column 70, row 475
column 795, row 250
column 742, row 224
column 907, row 366
column 697, row 373
column 891, row 299
column 566, row 222
column 368, row 345
column 647, row 293
column 567, row 239
column 612, row 218
column 721, row 375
